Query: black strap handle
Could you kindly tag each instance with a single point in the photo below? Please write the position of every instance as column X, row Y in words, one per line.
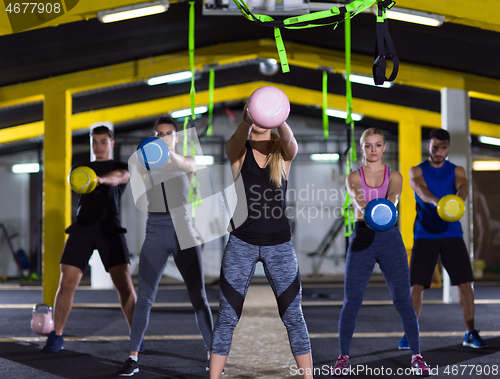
column 383, row 42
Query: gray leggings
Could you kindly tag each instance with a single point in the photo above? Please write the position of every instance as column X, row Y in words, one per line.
column 160, row 242
column 387, row 249
column 282, row 271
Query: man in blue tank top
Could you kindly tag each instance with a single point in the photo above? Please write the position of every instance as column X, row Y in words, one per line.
column 434, row 237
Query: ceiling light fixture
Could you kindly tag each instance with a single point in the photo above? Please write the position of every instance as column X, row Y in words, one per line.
column 486, row 165
column 178, row 77
column 139, row 10
column 204, row 160
column 325, row 157
column 415, row 17
column 187, row 112
column 489, row 140
column 25, row 168
column 368, row 80
column 343, row 114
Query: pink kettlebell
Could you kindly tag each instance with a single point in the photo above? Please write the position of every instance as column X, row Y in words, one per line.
column 268, row 107
column 41, row 322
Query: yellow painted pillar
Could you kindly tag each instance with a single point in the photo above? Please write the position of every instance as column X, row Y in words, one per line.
column 57, row 153
column 410, row 154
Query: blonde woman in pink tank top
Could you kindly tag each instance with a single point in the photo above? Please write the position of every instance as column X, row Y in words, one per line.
column 373, row 179
column 367, row 247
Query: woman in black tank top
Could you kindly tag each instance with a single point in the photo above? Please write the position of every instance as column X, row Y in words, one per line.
column 260, row 232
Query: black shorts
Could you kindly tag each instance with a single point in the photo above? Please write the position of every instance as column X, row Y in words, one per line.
column 79, row 247
column 454, row 257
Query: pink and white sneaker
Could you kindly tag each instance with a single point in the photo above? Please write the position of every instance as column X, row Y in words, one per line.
column 419, row 367
column 342, row 366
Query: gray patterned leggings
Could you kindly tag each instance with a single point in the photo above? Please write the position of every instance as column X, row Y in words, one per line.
column 282, row 271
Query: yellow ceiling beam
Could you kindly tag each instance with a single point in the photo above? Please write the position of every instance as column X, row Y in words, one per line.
column 480, row 128
column 296, row 95
column 84, row 10
column 372, row 109
column 232, row 53
column 408, row 74
column 479, row 13
column 153, row 108
column 14, row 97
column 134, row 71
column 20, row 132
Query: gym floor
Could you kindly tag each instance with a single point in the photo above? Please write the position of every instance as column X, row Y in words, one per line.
column 96, row 335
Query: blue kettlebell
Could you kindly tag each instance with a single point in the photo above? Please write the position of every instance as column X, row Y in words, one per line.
column 153, row 153
column 380, row 214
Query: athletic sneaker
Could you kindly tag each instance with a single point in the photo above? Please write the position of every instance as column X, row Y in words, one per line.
column 419, row 367
column 403, row 344
column 473, row 339
column 129, row 368
column 342, row 366
column 54, row 343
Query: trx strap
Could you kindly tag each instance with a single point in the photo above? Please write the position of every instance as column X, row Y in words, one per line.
column 310, row 20
column 348, row 208
column 325, row 105
column 194, row 197
column 306, row 20
column 281, row 51
column 384, row 41
column 192, row 91
column 211, row 83
column 185, row 139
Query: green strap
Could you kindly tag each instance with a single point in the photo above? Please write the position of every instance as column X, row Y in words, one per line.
column 354, row 155
column 245, row 10
column 194, row 197
column 325, row 105
column 349, row 120
column 312, row 16
column 192, row 92
column 348, row 207
column 281, row 50
column 211, row 84
column 348, row 89
column 301, row 22
column 352, row 9
column 185, row 140
column 193, row 149
column 381, row 17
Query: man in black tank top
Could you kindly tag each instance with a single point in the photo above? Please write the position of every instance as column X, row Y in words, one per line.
column 96, row 226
